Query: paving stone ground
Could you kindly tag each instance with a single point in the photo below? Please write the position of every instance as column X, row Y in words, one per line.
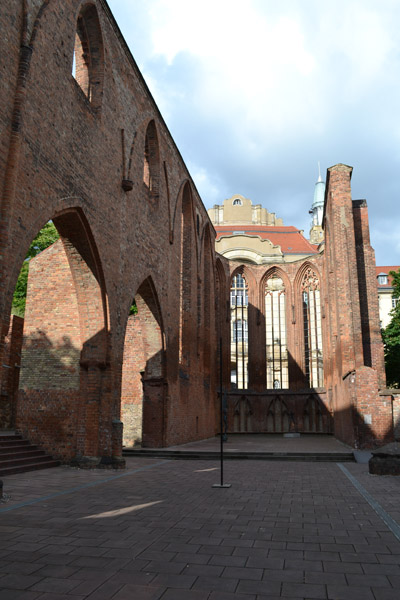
column 160, row 531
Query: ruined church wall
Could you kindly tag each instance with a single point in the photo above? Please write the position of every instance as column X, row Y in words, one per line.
column 61, row 153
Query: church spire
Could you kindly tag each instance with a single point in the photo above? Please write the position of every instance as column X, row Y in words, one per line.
column 317, row 210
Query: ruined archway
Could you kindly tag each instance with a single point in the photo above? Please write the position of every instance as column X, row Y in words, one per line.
column 143, row 384
column 64, row 350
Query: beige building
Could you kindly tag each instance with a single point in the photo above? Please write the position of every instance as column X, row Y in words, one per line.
column 385, row 294
column 248, row 233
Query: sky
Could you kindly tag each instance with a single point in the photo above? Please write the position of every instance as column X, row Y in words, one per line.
column 256, row 92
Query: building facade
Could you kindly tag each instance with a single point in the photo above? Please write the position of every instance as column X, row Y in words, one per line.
column 385, row 294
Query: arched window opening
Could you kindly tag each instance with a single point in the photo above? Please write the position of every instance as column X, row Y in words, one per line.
column 276, row 338
column 237, row 202
column 151, row 160
column 186, row 280
column 88, row 60
column 313, row 358
column 239, row 332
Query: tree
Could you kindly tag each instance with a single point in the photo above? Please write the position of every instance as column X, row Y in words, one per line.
column 391, row 337
column 46, row 236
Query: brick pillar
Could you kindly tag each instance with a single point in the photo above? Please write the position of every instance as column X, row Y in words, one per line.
column 11, row 366
column 343, row 275
column 368, row 293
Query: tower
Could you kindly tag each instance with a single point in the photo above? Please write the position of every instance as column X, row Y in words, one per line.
column 317, row 210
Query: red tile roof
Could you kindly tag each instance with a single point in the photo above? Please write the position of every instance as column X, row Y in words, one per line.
column 385, row 270
column 288, row 238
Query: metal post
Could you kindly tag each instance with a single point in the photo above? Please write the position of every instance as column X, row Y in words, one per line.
column 221, row 433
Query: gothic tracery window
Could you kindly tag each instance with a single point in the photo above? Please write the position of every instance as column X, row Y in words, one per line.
column 313, row 358
column 276, row 337
column 239, row 332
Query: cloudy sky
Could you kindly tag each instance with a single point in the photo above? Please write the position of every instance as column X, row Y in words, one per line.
column 256, row 92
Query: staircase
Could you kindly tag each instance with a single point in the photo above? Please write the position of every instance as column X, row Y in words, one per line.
column 18, row 455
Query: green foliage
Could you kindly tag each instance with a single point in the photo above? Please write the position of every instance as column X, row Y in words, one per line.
column 46, row 236
column 133, row 309
column 391, row 338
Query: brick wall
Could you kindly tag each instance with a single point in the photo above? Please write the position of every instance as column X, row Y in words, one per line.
column 52, row 344
column 131, row 389
column 11, row 366
column 352, row 345
column 77, row 156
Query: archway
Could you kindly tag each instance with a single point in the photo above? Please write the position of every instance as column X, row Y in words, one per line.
column 64, row 348
column 143, row 387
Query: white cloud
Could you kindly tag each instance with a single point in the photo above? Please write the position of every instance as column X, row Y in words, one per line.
column 256, row 92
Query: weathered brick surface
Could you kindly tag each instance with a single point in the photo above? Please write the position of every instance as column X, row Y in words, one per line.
column 11, row 367
column 93, row 154
column 65, row 149
column 352, row 344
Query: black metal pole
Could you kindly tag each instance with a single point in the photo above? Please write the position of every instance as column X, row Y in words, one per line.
column 221, row 412
column 221, row 484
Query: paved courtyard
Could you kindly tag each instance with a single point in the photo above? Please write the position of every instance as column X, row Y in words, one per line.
column 158, row 530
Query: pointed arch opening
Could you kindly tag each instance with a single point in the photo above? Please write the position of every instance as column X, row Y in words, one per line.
column 88, row 55
column 239, row 332
column 312, row 328
column 277, row 365
column 151, row 161
column 142, row 411
column 187, row 276
column 208, row 293
column 65, row 340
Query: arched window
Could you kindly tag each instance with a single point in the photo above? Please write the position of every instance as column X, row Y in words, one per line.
column 275, row 330
column 313, row 358
column 88, row 57
column 239, row 332
column 151, row 160
column 237, row 202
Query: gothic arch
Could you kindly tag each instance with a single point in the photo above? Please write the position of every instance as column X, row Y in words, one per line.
column 309, row 324
column 188, row 275
column 88, row 61
column 151, row 161
column 278, row 272
column 208, row 294
column 275, row 303
column 65, row 349
column 251, row 281
column 143, row 384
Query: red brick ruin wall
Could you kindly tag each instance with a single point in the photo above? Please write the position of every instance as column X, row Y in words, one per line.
column 355, row 367
column 79, row 158
column 352, row 344
column 93, row 154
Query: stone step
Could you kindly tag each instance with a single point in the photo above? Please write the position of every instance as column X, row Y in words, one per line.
column 17, row 455
column 229, row 455
column 12, row 439
column 17, row 448
column 35, row 466
column 25, row 452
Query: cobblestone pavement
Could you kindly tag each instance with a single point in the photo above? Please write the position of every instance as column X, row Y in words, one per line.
column 160, row 531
